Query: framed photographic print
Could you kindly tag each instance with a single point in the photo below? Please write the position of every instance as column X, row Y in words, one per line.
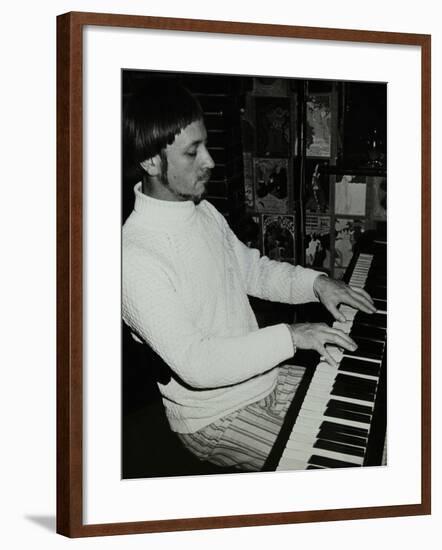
column 126, row 448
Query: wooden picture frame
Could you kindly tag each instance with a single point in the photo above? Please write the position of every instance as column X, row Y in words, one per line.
column 71, row 267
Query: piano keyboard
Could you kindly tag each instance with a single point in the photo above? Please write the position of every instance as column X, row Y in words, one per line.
column 333, row 426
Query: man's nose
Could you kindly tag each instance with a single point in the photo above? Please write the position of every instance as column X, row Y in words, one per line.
column 208, row 162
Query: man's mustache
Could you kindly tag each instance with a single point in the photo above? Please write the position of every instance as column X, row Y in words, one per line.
column 206, row 175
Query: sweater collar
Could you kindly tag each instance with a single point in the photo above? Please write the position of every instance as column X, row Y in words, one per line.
column 159, row 212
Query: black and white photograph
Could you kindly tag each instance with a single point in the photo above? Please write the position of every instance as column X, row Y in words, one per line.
column 254, row 312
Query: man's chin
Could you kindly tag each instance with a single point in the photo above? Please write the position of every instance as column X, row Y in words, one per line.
column 199, row 196
column 194, row 197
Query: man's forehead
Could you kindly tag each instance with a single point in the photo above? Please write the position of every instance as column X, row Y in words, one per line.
column 193, row 132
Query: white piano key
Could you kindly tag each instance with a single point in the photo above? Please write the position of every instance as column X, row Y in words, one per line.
column 312, row 418
column 303, row 441
column 305, row 454
column 311, row 414
column 369, row 359
column 309, row 423
column 346, row 422
column 287, row 463
column 359, row 375
column 315, row 406
column 305, row 429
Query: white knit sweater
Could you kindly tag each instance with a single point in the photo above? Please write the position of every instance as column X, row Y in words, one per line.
column 185, row 283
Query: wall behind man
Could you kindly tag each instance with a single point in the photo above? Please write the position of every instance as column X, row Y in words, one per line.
column 27, row 389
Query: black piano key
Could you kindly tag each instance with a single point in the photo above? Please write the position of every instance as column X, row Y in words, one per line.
column 373, row 319
column 342, row 438
column 378, row 292
column 359, row 366
column 347, row 415
column 375, row 279
column 311, row 467
column 351, row 430
column 355, row 407
column 339, row 448
column 327, row 462
column 367, row 396
column 368, row 332
column 380, row 304
column 346, row 390
column 362, row 383
column 332, row 430
column 367, row 348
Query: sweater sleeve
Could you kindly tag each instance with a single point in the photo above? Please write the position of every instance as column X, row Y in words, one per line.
column 272, row 280
column 155, row 312
column 269, row 279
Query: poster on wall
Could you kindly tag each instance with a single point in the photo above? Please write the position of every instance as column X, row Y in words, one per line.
column 317, row 186
column 278, row 236
column 317, row 241
column 273, row 126
column 377, row 198
column 271, row 184
column 347, row 234
column 350, row 195
column 318, row 125
column 267, row 86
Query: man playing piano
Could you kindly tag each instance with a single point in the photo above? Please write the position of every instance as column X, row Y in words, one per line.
column 186, row 278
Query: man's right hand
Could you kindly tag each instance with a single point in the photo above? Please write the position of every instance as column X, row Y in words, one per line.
column 315, row 336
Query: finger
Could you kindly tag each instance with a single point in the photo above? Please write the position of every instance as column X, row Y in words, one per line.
column 358, row 302
column 363, row 292
column 336, row 313
column 365, row 305
column 326, row 356
column 339, row 338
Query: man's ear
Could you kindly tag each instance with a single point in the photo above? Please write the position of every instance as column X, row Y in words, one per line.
column 152, row 166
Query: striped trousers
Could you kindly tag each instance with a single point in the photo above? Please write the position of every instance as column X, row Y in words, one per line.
column 244, row 438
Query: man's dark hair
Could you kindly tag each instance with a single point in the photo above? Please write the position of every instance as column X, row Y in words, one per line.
column 154, row 115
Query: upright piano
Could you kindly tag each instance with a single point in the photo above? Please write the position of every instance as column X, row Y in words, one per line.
column 338, row 416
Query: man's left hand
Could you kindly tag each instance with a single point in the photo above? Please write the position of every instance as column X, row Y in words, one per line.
column 332, row 293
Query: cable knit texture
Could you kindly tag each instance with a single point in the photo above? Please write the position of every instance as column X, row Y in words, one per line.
column 186, row 277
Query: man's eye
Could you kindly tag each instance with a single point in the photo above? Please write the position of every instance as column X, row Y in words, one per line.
column 191, row 153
